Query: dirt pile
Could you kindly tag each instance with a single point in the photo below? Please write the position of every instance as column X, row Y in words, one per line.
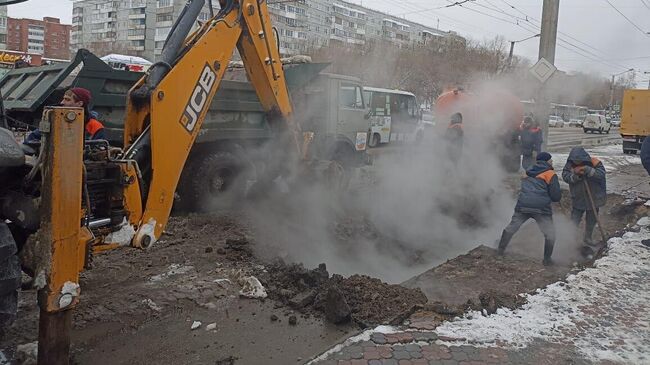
column 365, row 300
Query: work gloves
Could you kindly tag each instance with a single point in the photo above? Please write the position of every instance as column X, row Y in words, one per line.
column 580, row 172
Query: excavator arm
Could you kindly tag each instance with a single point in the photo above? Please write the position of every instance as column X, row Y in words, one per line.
column 166, row 109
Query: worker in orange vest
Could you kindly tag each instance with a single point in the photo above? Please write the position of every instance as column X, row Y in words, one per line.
column 78, row 97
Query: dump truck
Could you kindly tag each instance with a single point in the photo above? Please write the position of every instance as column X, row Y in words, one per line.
column 635, row 119
column 227, row 153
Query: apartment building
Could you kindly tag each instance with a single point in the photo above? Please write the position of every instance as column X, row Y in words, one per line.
column 134, row 27
column 48, row 37
column 3, row 27
column 140, row 27
column 304, row 25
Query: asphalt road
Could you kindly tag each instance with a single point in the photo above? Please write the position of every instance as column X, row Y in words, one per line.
column 562, row 139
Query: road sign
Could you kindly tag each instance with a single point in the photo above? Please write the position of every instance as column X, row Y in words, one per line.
column 543, row 70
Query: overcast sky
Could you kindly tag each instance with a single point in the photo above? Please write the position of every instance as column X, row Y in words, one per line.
column 593, row 35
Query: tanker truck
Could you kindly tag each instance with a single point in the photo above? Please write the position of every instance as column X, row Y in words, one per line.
column 496, row 114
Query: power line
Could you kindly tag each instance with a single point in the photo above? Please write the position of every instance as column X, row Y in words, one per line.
column 536, row 29
column 645, row 3
column 626, row 18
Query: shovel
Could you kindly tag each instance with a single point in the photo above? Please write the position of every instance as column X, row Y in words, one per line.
column 593, row 207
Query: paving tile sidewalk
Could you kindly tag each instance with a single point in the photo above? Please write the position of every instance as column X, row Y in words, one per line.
column 600, row 315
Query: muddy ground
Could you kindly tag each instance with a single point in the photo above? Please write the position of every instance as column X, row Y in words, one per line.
column 139, row 307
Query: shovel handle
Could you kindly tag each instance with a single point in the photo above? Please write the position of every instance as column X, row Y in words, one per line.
column 593, row 207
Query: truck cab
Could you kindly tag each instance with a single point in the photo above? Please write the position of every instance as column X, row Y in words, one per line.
column 332, row 106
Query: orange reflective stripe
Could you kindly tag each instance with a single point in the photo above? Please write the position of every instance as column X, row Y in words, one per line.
column 547, row 176
column 594, row 161
column 93, row 126
column 457, row 125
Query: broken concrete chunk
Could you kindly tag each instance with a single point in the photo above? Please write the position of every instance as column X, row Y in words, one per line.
column 252, row 288
column 211, row 327
column 195, row 325
column 337, row 309
column 303, row 299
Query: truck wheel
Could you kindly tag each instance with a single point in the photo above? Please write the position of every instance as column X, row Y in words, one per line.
column 10, row 278
column 374, row 140
column 585, row 130
column 211, row 182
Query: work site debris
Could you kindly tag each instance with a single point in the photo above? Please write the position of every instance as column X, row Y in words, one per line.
column 363, row 299
column 252, row 288
column 211, row 327
column 337, row 309
column 27, row 354
column 151, row 304
column 195, row 325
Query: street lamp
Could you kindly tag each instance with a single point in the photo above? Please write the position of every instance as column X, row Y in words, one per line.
column 512, row 47
column 611, row 89
column 647, row 73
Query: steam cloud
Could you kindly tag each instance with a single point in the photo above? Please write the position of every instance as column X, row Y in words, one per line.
column 411, row 211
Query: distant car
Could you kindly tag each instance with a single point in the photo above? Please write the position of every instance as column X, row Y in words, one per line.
column 596, row 123
column 575, row 123
column 555, row 121
column 428, row 119
column 616, row 123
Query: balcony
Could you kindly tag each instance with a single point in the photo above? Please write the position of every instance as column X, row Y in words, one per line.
column 137, row 16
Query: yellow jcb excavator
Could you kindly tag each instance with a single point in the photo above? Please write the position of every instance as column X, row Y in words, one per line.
column 87, row 196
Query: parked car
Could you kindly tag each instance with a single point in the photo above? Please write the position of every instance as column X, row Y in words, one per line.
column 596, row 123
column 616, row 123
column 555, row 121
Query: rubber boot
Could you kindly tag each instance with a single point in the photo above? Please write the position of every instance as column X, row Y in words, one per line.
column 503, row 243
column 548, row 252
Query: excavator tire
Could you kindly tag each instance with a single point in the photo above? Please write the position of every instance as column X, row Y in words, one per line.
column 10, row 278
column 212, row 183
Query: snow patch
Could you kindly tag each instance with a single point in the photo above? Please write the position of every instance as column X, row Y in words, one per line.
column 123, row 236
column 252, row 288
column 599, row 310
column 643, row 222
column 363, row 336
column 174, row 269
column 195, row 325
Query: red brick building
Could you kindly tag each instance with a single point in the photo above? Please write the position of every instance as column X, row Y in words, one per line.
column 47, row 37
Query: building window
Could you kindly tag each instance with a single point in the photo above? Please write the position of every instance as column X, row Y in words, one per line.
column 159, row 44
column 167, row 17
column 164, row 3
column 3, row 22
column 3, row 38
column 289, row 33
column 163, row 32
column 139, row 43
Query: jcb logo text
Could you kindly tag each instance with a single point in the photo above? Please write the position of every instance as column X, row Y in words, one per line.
column 199, row 99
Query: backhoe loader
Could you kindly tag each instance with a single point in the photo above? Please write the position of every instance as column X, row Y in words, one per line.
column 83, row 197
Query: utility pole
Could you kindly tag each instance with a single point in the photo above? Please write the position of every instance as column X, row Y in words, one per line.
column 512, row 50
column 611, row 93
column 548, row 37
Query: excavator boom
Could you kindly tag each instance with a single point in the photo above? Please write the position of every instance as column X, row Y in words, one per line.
column 164, row 116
